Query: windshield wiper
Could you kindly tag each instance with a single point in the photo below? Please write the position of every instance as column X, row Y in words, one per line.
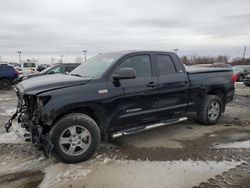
column 79, row 75
column 76, row 75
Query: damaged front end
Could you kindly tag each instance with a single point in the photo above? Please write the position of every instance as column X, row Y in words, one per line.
column 28, row 119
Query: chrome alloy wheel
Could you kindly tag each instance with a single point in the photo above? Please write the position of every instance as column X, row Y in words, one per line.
column 75, row 140
column 213, row 110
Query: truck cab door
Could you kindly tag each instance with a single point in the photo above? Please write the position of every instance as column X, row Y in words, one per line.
column 173, row 86
column 133, row 100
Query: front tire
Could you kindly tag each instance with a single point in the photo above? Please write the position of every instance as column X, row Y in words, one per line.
column 210, row 111
column 75, row 137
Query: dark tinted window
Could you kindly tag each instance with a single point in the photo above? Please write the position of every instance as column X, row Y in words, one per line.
column 6, row 68
column 68, row 69
column 141, row 64
column 165, row 65
column 29, row 65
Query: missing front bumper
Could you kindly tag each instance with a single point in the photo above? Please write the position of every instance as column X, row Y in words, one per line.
column 38, row 139
column 21, row 132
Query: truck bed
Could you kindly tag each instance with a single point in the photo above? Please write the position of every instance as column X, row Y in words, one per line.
column 195, row 70
column 202, row 80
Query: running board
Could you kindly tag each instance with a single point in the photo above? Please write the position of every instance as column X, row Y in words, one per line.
column 147, row 127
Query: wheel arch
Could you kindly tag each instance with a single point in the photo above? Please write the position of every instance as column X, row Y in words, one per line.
column 94, row 111
column 1, row 78
column 220, row 92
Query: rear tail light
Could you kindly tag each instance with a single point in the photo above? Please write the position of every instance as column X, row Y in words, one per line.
column 17, row 72
column 234, row 77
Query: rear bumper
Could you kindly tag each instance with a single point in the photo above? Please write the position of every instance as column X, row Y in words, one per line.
column 230, row 95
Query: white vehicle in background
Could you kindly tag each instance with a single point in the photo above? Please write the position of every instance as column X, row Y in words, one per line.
column 29, row 67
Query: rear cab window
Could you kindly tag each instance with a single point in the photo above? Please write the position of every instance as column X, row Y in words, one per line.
column 165, row 65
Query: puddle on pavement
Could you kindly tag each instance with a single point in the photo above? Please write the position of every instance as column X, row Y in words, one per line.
column 27, row 179
column 203, row 148
column 234, row 177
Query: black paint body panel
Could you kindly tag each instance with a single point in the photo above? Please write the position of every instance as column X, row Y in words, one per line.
column 127, row 103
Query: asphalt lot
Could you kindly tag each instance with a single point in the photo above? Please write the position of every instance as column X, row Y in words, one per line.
column 181, row 155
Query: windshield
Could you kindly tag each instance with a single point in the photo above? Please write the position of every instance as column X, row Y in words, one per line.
column 96, row 66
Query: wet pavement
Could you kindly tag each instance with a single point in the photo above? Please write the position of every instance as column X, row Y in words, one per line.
column 181, row 155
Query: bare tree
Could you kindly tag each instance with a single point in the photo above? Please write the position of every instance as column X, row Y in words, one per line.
column 78, row 60
column 52, row 60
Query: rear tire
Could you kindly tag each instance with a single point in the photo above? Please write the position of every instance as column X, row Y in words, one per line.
column 75, row 137
column 5, row 83
column 210, row 111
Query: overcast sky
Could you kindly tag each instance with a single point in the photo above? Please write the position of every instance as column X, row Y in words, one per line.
column 54, row 27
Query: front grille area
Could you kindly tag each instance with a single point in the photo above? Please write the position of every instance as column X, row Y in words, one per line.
column 26, row 104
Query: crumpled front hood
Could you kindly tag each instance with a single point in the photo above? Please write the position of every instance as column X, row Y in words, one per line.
column 44, row 83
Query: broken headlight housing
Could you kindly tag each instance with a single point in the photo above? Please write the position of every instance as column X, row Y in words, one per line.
column 42, row 100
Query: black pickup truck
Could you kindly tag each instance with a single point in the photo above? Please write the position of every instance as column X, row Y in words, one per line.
column 116, row 94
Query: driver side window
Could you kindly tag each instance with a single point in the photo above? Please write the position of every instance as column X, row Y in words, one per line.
column 141, row 64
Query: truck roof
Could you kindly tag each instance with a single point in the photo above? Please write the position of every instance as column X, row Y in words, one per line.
column 124, row 52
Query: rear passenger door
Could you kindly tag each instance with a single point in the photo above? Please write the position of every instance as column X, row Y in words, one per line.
column 173, row 85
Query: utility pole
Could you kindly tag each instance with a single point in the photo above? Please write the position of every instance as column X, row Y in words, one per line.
column 38, row 54
column 61, row 58
column 19, row 54
column 85, row 53
column 244, row 53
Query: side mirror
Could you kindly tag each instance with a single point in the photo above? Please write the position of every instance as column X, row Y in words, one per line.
column 125, row 73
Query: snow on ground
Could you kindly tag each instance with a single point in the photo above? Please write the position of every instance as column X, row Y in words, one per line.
column 7, row 112
column 240, row 144
column 7, row 98
column 135, row 174
column 63, row 172
column 23, row 165
column 10, row 138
